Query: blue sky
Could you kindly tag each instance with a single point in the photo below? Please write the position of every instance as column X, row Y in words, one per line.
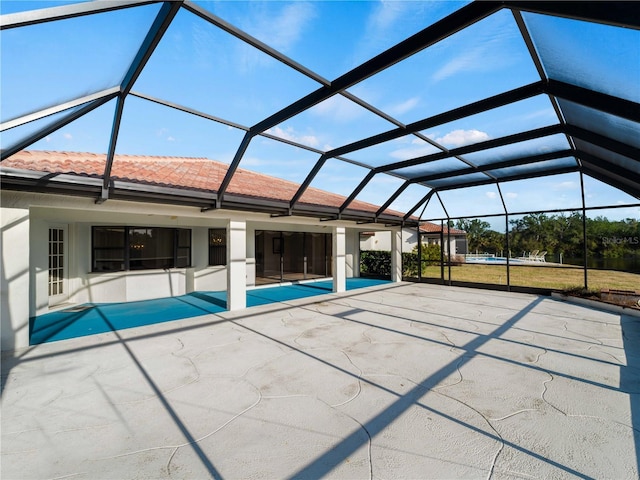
column 202, row 67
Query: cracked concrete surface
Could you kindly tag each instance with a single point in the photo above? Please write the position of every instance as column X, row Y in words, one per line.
column 396, row 381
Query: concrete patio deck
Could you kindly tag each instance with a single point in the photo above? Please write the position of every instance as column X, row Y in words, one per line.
column 394, row 381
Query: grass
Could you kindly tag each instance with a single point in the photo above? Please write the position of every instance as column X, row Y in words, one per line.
column 543, row 276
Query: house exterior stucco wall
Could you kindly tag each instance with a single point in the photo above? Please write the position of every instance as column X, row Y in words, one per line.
column 352, row 256
column 15, row 299
column 27, row 217
column 381, row 240
column 83, row 285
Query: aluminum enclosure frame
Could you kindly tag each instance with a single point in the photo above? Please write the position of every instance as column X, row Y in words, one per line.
column 627, row 179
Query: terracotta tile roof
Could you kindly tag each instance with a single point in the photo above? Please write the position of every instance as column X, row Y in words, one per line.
column 178, row 172
column 435, row 228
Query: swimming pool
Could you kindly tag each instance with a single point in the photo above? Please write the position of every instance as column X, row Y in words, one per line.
column 495, row 260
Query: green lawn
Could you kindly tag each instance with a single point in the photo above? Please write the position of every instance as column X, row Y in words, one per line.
column 542, row 276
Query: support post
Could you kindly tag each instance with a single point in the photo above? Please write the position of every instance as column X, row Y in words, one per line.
column 506, row 233
column 18, row 301
column 508, row 245
column 339, row 260
column 449, row 248
column 584, row 232
column 419, row 252
column 236, row 265
column 396, row 255
column 442, row 251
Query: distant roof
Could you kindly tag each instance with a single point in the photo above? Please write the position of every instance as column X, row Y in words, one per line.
column 199, row 174
column 429, row 227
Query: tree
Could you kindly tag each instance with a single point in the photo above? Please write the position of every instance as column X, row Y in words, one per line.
column 477, row 231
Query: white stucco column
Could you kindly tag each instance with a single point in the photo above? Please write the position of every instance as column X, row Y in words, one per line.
column 339, row 259
column 396, row 255
column 236, row 265
column 15, row 271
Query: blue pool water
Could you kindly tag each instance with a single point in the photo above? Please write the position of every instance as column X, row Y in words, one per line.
column 496, row 260
column 93, row 318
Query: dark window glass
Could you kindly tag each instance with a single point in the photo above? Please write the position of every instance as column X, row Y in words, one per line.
column 183, row 250
column 140, row 248
column 217, row 246
column 151, row 248
column 108, row 249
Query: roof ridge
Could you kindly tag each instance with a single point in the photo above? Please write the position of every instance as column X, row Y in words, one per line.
column 120, row 156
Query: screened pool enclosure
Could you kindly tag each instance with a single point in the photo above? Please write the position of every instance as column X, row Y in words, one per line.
column 509, row 116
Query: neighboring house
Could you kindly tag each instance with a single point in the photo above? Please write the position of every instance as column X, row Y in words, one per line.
column 62, row 245
column 454, row 240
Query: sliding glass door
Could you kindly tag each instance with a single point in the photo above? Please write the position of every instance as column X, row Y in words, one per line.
column 318, row 255
column 291, row 256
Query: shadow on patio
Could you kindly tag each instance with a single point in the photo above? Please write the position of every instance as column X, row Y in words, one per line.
column 406, row 381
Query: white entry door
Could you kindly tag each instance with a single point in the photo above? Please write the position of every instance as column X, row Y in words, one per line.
column 58, row 265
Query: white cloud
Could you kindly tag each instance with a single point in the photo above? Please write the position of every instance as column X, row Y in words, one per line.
column 279, row 28
column 338, row 109
column 568, row 185
column 404, row 107
column 511, row 195
column 491, row 195
column 458, row 138
column 203, row 47
column 282, row 30
column 291, row 24
column 465, row 62
column 163, row 133
column 492, row 49
column 290, row 134
column 67, row 136
column 433, row 135
column 419, row 149
column 385, row 15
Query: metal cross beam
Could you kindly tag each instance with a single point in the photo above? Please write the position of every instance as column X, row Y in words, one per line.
column 43, row 132
column 603, row 142
column 43, row 15
column 455, row 22
column 510, row 178
column 496, row 166
column 596, row 100
column 480, row 106
column 475, row 147
column 160, row 25
column 619, row 14
column 611, row 174
column 434, row 33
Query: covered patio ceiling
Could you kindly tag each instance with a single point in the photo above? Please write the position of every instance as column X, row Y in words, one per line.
column 594, row 129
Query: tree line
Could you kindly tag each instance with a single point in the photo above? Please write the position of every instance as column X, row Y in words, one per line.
column 555, row 234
